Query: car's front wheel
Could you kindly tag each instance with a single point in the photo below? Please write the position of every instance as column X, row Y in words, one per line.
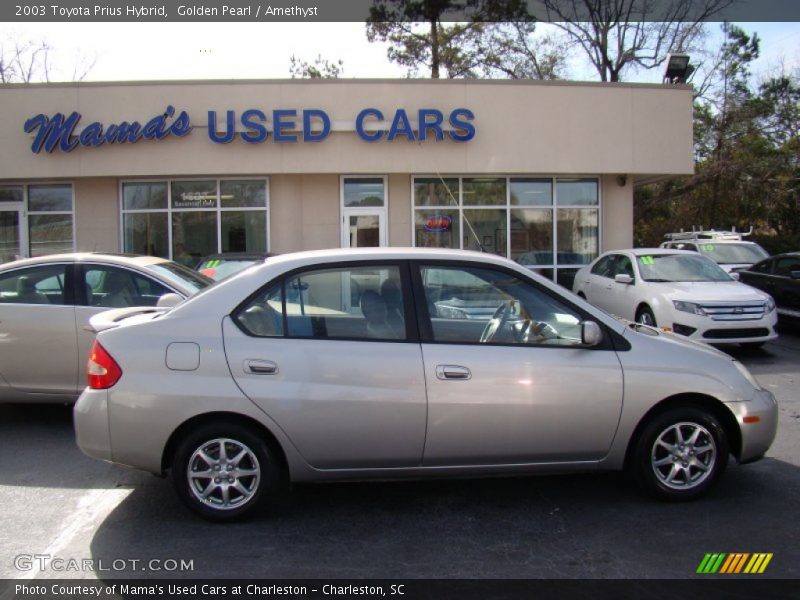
column 645, row 316
column 224, row 472
column 681, row 453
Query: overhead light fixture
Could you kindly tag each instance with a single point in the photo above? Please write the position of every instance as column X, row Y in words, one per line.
column 677, row 69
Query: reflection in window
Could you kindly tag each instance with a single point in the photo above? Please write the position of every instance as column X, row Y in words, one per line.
column 521, row 222
column 201, row 220
column 363, row 191
column 349, row 303
column 484, row 306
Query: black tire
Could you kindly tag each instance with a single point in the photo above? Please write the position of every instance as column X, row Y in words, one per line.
column 256, row 488
column 645, row 316
column 694, row 470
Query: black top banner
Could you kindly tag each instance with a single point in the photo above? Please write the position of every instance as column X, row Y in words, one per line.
column 392, row 10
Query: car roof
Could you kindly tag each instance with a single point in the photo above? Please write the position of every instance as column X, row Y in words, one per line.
column 650, row 251
column 394, row 253
column 709, row 241
column 133, row 260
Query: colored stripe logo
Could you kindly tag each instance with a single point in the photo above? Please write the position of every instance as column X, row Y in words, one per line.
column 734, row 563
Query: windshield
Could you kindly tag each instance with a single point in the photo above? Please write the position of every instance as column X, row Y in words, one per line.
column 181, row 277
column 220, row 268
column 731, row 254
column 680, row 267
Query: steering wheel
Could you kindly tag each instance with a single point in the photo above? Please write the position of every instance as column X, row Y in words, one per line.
column 499, row 318
column 538, row 332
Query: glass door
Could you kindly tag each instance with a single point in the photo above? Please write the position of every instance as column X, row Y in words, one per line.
column 363, row 212
column 11, row 242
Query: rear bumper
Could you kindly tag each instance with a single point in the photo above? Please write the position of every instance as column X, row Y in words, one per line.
column 758, row 423
column 90, row 416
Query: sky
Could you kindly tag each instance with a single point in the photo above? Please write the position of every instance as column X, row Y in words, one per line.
column 150, row 51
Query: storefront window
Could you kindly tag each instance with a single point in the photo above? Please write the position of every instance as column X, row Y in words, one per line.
column 363, row 191
column 50, row 229
column 188, row 219
column 146, row 233
column 523, row 223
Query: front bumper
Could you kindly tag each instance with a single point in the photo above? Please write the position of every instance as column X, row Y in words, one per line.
column 710, row 331
column 758, row 423
column 90, row 416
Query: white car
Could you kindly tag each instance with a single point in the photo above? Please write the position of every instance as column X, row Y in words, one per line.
column 679, row 291
column 731, row 255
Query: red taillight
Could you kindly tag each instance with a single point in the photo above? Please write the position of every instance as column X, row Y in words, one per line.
column 103, row 370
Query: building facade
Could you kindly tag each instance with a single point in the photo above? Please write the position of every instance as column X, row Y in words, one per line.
column 540, row 172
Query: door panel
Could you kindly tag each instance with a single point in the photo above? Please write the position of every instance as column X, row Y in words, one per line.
column 38, row 345
column 507, row 376
column 344, row 404
column 521, row 404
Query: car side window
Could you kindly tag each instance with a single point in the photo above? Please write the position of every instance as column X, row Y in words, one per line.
column 623, row 266
column 358, row 303
column 262, row 315
column 784, row 266
column 765, row 266
column 34, row 285
column 604, row 266
column 481, row 306
column 114, row 287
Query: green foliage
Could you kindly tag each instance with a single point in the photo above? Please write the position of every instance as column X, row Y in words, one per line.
column 419, row 38
column 747, row 151
column 321, row 68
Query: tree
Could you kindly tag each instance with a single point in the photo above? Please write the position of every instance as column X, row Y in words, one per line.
column 419, row 37
column 320, row 69
column 24, row 61
column 747, row 153
column 619, row 35
column 514, row 50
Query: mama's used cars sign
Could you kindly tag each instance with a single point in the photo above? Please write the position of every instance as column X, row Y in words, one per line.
column 254, row 126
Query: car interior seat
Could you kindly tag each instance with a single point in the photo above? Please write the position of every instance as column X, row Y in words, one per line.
column 27, row 292
column 373, row 306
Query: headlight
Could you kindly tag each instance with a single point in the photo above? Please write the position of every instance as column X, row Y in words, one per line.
column 770, row 304
column 689, row 307
column 747, row 374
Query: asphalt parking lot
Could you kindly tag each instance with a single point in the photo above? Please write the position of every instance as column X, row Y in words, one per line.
column 60, row 504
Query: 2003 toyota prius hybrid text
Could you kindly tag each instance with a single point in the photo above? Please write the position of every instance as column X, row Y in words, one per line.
column 357, row 364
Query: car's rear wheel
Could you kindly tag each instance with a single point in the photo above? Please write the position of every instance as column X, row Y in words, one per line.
column 224, row 472
column 645, row 316
column 681, row 453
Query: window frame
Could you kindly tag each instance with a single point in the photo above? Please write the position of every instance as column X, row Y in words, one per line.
column 25, row 212
column 218, row 209
column 426, row 327
column 554, row 265
column 70, row 299
column 409, row 304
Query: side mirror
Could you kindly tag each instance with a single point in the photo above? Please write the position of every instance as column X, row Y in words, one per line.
column 734, row 275
column 623, row 278
column 169, row 300
column 591, row 334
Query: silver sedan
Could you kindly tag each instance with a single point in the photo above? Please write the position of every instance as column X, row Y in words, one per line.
column 45, row 306
column 390, row 363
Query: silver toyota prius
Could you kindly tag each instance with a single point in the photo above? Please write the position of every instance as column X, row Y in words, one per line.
column 390, row 363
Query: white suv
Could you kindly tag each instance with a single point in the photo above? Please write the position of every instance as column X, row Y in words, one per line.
column 679, row 291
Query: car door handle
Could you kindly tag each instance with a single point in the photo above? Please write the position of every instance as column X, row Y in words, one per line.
column 453, row 372
column 261, row 367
